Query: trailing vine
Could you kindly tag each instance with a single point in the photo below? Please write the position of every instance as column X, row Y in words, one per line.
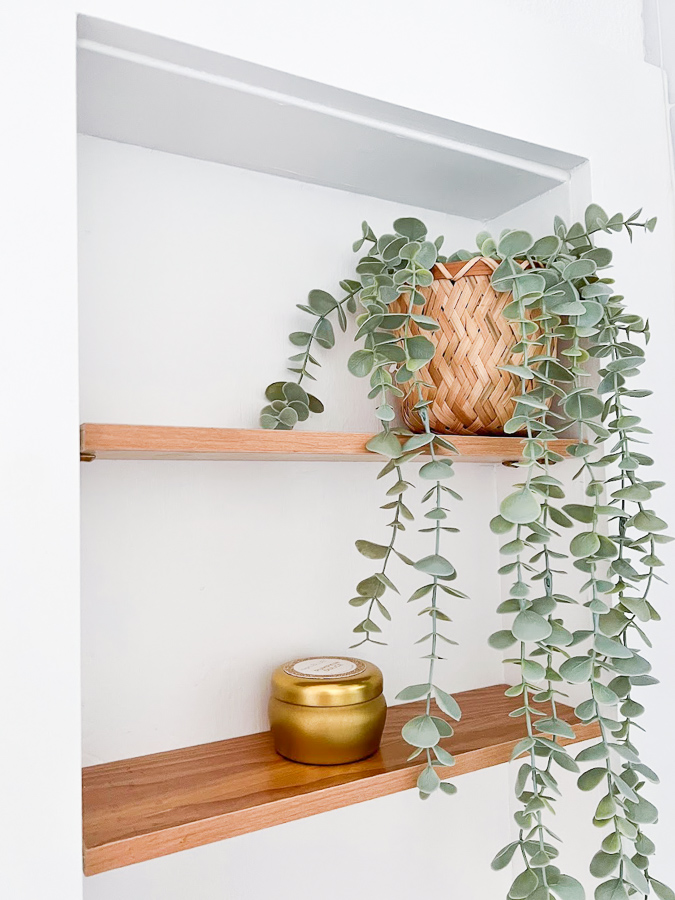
column 591, row 311
column 566, row 313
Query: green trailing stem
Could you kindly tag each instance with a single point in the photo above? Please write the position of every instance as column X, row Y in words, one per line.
column 567, row 313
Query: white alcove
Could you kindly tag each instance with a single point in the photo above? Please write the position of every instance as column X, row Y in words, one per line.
column 213, row 195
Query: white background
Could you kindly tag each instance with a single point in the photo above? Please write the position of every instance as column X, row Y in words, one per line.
column 567, row 75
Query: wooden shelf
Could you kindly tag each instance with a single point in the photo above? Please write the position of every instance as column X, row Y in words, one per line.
column 171, row 442
column 139, row 809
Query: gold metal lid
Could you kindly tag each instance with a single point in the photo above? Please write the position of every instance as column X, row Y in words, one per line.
column 327, row 681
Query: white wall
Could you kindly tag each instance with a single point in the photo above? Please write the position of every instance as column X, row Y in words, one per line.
column 199, row 579
column 570, row 76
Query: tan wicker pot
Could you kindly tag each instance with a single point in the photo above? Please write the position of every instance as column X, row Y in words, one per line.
column 470, row 395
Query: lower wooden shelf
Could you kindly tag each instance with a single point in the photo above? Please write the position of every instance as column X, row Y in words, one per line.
column 139, row 809
column 174, row 442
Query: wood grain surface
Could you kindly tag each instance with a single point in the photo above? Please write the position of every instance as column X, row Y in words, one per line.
column 173, row 442
column 139, row 809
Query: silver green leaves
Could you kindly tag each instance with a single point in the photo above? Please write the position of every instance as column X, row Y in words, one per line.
column 569, row 318
column 515, row 243
column 421, row 732
column 290, row 405
column 435, row 564
column 521, row 507
column 529, row 626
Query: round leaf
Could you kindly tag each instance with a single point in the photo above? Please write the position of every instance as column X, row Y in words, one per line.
column 515, row 243
column 321, row 301
column 530, row 626
column 499, row 525
column 524, row 885
column 361, row 363
column 500, row 640
column 435, row 565
column 413, row 229
column 577, row 669
column 421, row 732
column 521, row 507
column 428, row 781
column 586, row 543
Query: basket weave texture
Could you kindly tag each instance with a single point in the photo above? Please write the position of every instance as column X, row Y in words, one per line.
column 470, row 394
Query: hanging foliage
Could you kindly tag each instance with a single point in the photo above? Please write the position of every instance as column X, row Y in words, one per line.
column 567, row 315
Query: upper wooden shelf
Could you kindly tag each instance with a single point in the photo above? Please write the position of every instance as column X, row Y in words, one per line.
column 139, row 809
column 171, row 442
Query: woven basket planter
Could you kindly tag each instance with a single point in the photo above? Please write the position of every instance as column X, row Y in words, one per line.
column 470, row 395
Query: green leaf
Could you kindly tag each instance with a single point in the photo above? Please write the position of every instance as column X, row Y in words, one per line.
column 635, row 876
column 515, row 243
column 559, row 517
column 611, row 890
column 586, row 543
column 428, row 780
column 300, row 338
column 426, row 323
column 420, row 348
column 595, row 217
column 315, row 405
column 591, row 779
column 555, row 726
column 417, row 441
column 448, row 704
column 609, row 647
column 288, row 417
column 361, row 363
column 500, row 640
column 324, row 334
column 275, row 391
column 436, row 470
column 567, row 888
column 530, row 626
column 603, row 864
column 499, row 525
column 503, row 276
column 662, row 891
column 386, row 444
column 647, row 521
column 445, row 758
column 521, row 507
column 633, row 492
column 413, row 229
column 421, row 732
column 321, row 301
column 370, row 550
column 522, row 746
column 293, row 392
column 268, row 421
column 546, row 246
column 435, row 565
column 448, row 787
column 533, row 671
column 414, row 692
column 577, row 669
column 643, row 812
column 385, row 413
column 579, row 512
column 580, row 268
column 504, row 857
column 583, row 406
column 523, row 885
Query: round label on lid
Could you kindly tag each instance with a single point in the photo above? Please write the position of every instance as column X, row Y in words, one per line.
column 325, row 667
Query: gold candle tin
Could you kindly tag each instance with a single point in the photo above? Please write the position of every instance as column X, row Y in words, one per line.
column 327, row 710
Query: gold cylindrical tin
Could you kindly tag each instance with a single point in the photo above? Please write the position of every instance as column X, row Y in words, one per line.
column 327, row 710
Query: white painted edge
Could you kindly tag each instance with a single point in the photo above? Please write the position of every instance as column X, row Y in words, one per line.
column 555, row 173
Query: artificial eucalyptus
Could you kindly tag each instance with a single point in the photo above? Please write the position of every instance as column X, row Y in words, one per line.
column 614, row 543
column 567, row 313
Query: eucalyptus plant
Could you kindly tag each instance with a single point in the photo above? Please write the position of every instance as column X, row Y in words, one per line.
column 567, row 313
